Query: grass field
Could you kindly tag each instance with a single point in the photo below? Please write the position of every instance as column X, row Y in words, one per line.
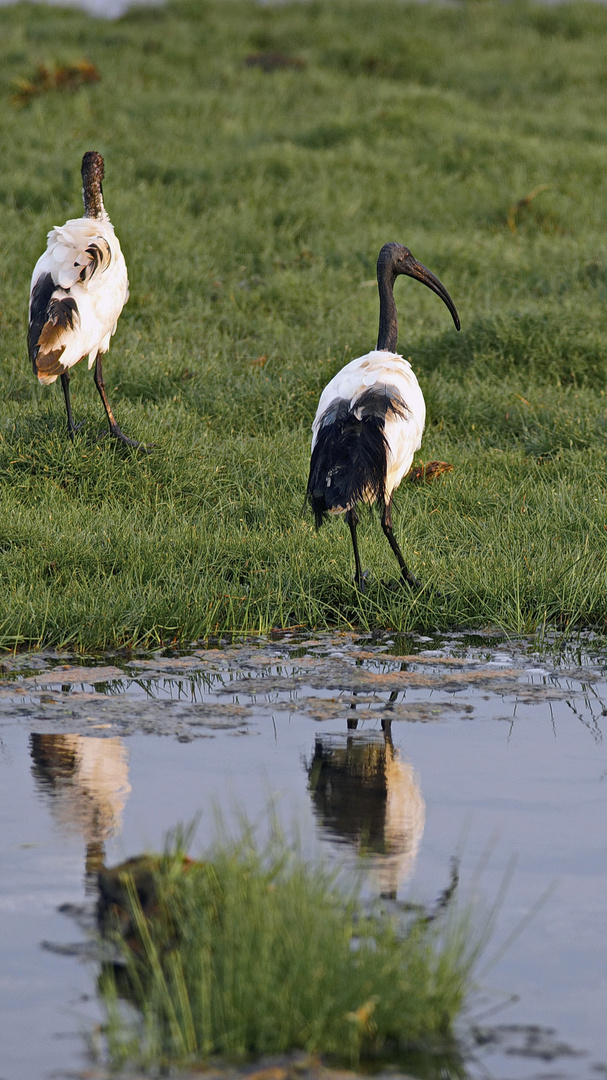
column 251, row 206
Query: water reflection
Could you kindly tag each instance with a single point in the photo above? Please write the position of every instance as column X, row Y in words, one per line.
column 509, row 740
column 363, row 793
column 86, row 784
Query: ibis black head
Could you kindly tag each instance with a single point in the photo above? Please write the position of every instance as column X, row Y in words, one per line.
column 93, row 171
column 395, row 259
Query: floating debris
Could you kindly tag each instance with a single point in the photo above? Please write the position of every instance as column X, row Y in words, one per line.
column 128, row 892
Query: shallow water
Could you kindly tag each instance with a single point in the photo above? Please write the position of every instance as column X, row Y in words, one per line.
column 105, row 9
column 403, row 752
column 113, row 9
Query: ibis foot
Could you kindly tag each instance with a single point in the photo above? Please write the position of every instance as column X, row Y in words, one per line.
column 116, row 433
column 73, row 428
column 362, row 581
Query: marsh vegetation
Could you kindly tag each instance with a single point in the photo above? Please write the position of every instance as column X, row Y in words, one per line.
column 254, row 951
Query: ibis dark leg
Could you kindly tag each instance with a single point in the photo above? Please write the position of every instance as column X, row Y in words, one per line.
column 114, row 429
column 386, row 524
column 352, row 519
column 65, row 385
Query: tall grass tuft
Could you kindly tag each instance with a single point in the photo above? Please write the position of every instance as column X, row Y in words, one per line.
column 253, row 951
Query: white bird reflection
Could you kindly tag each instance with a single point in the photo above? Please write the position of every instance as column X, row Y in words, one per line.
column 366, row 795
column 87, row 784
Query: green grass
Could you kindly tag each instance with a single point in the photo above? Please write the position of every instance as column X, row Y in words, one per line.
column 253, row 951
column 251, row 207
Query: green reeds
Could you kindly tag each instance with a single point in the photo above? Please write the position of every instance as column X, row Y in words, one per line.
column 253, row 951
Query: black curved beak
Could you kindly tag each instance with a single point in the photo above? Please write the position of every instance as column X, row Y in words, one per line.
column 421, row 273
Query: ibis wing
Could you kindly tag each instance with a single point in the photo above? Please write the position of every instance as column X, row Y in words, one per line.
column 80, row 251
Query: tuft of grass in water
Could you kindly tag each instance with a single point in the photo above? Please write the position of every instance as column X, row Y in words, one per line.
column 253, row 951
column 251, row 205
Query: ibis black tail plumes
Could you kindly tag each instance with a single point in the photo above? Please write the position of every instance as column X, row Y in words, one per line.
column 350, row 457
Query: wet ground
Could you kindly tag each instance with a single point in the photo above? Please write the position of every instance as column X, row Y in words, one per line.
column 400, row 753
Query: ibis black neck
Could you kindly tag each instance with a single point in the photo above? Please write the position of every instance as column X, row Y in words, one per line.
column 387, row 337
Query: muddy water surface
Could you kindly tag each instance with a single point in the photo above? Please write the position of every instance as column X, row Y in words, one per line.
column 401, row 754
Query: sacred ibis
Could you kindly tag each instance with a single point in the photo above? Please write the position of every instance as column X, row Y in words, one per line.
column 79, row 287
column 370, row 418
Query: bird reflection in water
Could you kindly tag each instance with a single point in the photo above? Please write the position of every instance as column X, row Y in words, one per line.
column 86, row 781
column 365, row 794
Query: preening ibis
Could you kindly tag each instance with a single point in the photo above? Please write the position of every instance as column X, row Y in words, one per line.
column 79, row 287
column 370, row 418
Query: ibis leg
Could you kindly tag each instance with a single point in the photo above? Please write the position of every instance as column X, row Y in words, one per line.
column 114, row 429
column 386, row 524
column 352, row 519
column 65, row 385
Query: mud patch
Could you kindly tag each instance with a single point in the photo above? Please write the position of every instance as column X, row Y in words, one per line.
column 325, row 677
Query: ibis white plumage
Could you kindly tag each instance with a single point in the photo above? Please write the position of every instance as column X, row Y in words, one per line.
column 371, row 417
column 79, row 287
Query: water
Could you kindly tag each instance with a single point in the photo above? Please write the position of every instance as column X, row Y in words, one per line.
column 404, row 752
column 104, row 9
column 113, row 9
